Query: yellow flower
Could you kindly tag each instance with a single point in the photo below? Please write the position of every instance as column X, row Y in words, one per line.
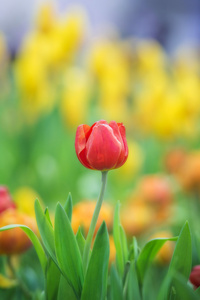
column 46, row 18
column 25, row 198
column 76, row 97
column 7, row 283
column 150, row 56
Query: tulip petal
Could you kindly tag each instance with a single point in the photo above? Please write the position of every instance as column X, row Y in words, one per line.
column 123, row 135
column 117, row 133
column 102, row 148
column 80, row 143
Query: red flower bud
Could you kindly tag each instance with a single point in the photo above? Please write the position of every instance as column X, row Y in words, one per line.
column 102, row 146
column 195, row 276
column 5, row 199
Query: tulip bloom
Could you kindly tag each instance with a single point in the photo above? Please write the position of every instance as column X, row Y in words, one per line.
column 195, row 276
column 102, row 146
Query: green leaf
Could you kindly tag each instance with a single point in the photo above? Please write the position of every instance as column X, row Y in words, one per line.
column 52, row 280
column 67, row 250
column 164, row 290
column 197, row 292
column 80, row 240
column 117, row 240
column 46, row 230
column 133, row 290
column 65, row 290
column 124, row 243
column 68, row 207
column 95, row 283
column 180, row 264
column 197, row 243
column 116, row 285
column 183, row 290
column 34, row 239
column 46, row 212
column 134, row 250
column 148, row 253
column 182, row 257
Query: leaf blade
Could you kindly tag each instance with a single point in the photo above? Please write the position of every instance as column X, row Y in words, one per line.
column 68, row 255
column 96, row 276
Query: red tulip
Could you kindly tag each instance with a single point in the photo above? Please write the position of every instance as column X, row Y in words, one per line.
column 5, row 199
column 195, row 276
column 102, row 146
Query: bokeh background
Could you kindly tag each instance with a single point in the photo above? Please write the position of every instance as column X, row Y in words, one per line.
column 64, row 63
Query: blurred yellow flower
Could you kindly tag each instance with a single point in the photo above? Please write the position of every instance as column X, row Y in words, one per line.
column 25, row 198
column 43, row 55
column 7, row 283
column 150, row 56
column 76, row 97
column 45, row 18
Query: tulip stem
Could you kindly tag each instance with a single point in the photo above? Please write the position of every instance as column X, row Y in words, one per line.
column 93, row 223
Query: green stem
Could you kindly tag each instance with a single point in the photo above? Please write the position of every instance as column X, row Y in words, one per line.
column 90, row 234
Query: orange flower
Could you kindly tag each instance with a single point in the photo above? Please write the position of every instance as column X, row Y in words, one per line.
column 174, row 160
column 82, row 215
column 136, row 217
column 155, row 189
column 189, row 173
column 15, row 241
column 156, row 192
column 112, row 250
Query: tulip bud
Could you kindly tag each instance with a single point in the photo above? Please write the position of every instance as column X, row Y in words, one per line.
column 102, row 146
column 195, row 276
column 5, row 200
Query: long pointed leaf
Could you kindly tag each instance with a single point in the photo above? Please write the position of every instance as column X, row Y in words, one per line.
column 68, row 206
column 133, row 289
column 67, row 250
column 182, row 257
column 116, row 285
column 117, row 240
column 80, row 240
column 94, row 287
column 46, row 230
column 52, row 280
column 65, row 290
column 148, row 253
